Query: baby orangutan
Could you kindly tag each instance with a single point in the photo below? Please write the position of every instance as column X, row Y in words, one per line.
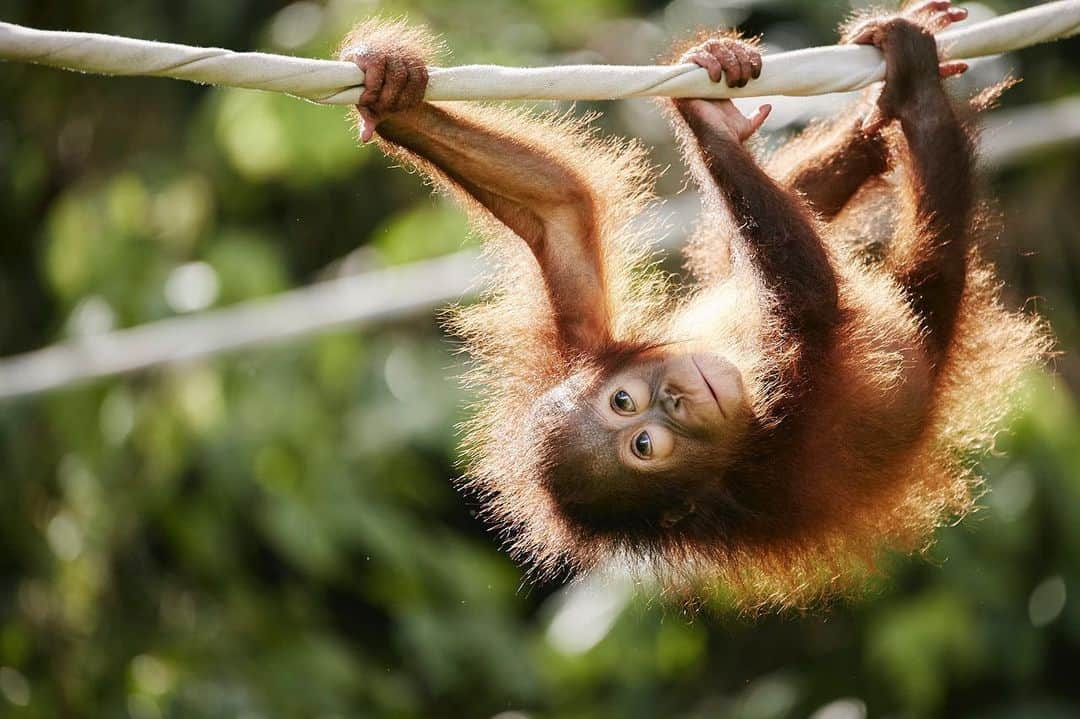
column 803, row 406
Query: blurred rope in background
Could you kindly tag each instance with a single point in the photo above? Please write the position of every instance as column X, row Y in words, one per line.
column 396, row 293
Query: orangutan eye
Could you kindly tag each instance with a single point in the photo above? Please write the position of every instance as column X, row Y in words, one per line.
column 643, row 445
column 622, row 402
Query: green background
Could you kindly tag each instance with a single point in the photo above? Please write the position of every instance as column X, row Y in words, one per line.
column 274, row 533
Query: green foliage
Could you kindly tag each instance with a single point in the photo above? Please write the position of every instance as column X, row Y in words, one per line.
column 275, row 533
column 419, row 232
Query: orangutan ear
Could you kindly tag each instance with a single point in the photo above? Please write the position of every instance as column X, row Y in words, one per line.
column 673, row 516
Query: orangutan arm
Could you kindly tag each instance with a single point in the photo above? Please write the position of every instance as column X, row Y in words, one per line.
column 777, row 231
column 541, row 199
column 933, row 235
column 828, row 164
column 779, row 239
column 496, row 158
column 933, row 267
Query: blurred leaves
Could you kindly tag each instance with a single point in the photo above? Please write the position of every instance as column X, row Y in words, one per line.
column 270, row 136
column 276, row 533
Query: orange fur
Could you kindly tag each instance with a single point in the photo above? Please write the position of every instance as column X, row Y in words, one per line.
column 889, row 458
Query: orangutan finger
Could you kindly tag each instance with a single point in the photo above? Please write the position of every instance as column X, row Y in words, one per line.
column 949, row 69
column 709, row 63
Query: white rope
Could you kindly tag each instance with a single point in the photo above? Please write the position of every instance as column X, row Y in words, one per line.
column 812, row 71
column 397, row 293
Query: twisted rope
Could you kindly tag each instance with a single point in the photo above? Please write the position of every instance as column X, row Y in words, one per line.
column 812, row 71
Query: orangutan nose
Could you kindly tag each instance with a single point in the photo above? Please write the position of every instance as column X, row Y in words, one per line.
column 673, row 400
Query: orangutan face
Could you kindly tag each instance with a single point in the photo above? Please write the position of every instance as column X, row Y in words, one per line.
column 667, row 409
